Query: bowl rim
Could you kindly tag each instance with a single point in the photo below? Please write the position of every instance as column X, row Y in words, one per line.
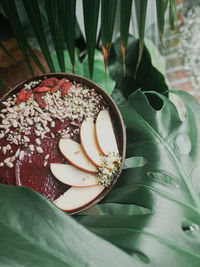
column 115, row 111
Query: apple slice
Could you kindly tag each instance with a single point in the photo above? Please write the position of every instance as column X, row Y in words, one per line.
column 70, row 175
column 89, row 143
column 74, row 153
column 105, row 133
column 77, row 197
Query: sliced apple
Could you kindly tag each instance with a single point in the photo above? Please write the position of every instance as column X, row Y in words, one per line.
column 74, row 153
column 105, row 133
column 89, row 143
column 77, row 197
column 70, row 175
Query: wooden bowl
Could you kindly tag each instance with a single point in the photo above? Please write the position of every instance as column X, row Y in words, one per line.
column 116, row 116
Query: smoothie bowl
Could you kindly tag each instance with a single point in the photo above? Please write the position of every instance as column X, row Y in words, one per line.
column 63, row 136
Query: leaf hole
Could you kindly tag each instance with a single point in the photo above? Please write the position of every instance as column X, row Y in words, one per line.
column 189, row 227
column 134, row 162
column 140, row 256
column 163, row 178
column 154, row 101
column 183, row 144
column 180, row 106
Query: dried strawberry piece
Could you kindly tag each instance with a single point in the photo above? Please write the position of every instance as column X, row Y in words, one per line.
column 21, row 97
column 28, row 95
column 40, row 100
column 49, row 82
column 66, row 88
column 42, row 89
column 58, row 85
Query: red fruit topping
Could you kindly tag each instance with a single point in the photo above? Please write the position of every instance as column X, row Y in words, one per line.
column 42, row 89
column 49, row 82
column 66, row 88
column 40, row 100
column 58, row 85
column 28, row 94
column 21, row 97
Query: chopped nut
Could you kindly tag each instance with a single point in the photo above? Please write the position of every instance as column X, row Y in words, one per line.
column 12, row 159
column 9, row 164
column 21, row 155
column 32, row 147
column 26, row 112
column 45, row 163
column 2, row 135
column 37, row 133
column 8, row 147
column 15, row 124
column 1, row 164
column 39, row 149
column 53, row 124
column 17, row 152
column 29, row 121
column 5, row 122
column 38, row 142
column 11, row 110
column 15, row 141
column 47, row 156
column 4, row 150
column 26, row 139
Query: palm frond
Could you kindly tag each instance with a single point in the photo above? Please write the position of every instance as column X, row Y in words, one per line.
column 52, row 10
column 125, row 16
column 33, row 12
column 108, row 12
column 91, row 14
column 160, row 9
column 142, row 20
column 67, row 11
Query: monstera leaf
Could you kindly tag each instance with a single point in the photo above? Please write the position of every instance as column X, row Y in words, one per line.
column 154, row 210
column 152, row 216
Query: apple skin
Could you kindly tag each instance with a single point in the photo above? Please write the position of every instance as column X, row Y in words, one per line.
column 105, row 134
column 89, row 142
column 74, row 153
column 72, row 176
column 78, row 197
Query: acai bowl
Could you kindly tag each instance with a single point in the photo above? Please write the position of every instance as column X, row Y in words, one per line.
column 62, row 136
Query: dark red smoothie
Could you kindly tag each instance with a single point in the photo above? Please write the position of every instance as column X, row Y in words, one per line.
column 32, row 124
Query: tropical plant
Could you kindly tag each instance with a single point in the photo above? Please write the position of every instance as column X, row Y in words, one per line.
column 60, row 18
column 151, row 217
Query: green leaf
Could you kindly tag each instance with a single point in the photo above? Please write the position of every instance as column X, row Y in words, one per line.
column 157, row 60
column 172, row 13
column 108, row 12
column 33, row 12
column 67, row 11
column 160, row 9
column 148, row 77
column 91, row 14
column 82, row 69
column 36, row 233
column 166, row 5
column 142, row 20
column 53, row 14
column 125, row 16
column 154, row 210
